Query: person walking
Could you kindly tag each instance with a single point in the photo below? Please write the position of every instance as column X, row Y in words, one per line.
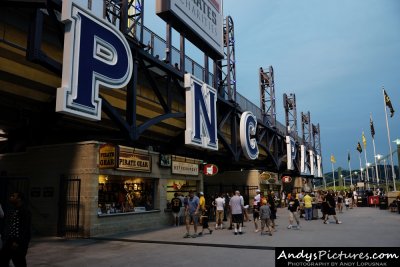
column 272, row 206
column 237, row 207
column 202, row 206
column 17, row 232
column 308, row 206
column 205, row 213
column 340, row 201
column 191, row 212
column 256, row 209
column 293, row 208
column 265, row 217
column 330, row 200
column 219, row 203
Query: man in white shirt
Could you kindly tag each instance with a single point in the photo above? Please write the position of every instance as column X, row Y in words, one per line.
column 219, row 203
column 236, row 205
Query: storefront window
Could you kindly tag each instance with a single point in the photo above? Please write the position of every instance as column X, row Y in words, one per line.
column 125, row 194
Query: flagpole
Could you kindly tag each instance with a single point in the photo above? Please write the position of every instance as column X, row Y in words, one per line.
column 390, row 146
column 333, row 175
column 376, row 164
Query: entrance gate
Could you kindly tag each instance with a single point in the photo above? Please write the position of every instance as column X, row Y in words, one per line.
column 69, row 207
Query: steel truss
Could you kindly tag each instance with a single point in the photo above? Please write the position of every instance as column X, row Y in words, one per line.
column 267, row 96
column 289, row 104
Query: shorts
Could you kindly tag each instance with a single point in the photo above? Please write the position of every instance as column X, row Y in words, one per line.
column 331, row 211
column 191, row 217
column 266, row 222
column 256, row 213
column 237, row 218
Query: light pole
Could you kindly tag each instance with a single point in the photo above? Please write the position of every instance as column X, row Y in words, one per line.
column 378, row 158
column 366, row 169
column 385, row 171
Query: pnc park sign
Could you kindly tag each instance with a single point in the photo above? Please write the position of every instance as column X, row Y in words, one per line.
column 97, row 54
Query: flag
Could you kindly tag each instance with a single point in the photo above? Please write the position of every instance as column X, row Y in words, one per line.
column 388, row 103
column 348, row 156
column 359, row 148
column 364, row 140
column 333, row 160
column 371, row 124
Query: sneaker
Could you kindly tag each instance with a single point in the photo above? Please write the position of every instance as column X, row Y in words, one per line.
column 194, row 235
column 240, row 233
column 211, row 232
column 298, row 227
column 270, row 234
column 201, row 233
column 289, row 226
column 235, row 233
column 187, row 235
column 325, row 222
column 256, row 231
column 338, row 222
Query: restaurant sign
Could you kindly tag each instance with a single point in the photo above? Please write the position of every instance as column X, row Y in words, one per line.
column 185, row 168
column 128, row 160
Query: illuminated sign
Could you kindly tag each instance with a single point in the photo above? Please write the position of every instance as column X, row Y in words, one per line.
column 107, row 156
column 201, row 114
column 286, row 179
column 128, row 160
column 304, row 167
column 319, row 166
column 312, row 162
column 248, row 128
column 291, row 152
column 95, row 54
column 201, row 21
column 210, row 169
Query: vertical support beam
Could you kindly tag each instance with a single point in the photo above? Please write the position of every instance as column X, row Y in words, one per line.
column 227, row 84
column 267, row 96
column 206, row 69
column 182, row 54
column 131, row 116
column 289, row 104
column 168, row 41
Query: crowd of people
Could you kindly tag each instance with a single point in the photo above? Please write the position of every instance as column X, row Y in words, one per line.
column 229, row 211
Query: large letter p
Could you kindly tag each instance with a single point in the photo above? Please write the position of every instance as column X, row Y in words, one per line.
column 95, row 54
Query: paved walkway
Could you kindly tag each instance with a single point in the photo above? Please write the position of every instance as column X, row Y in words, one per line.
column 362, row 227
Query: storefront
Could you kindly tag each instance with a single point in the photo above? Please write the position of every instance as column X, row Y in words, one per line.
column 120, row 188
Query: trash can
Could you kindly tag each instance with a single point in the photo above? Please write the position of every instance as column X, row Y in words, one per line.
column 383, row 203
column 362, row 202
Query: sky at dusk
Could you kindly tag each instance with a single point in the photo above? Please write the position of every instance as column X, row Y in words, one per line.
column 335, row 55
